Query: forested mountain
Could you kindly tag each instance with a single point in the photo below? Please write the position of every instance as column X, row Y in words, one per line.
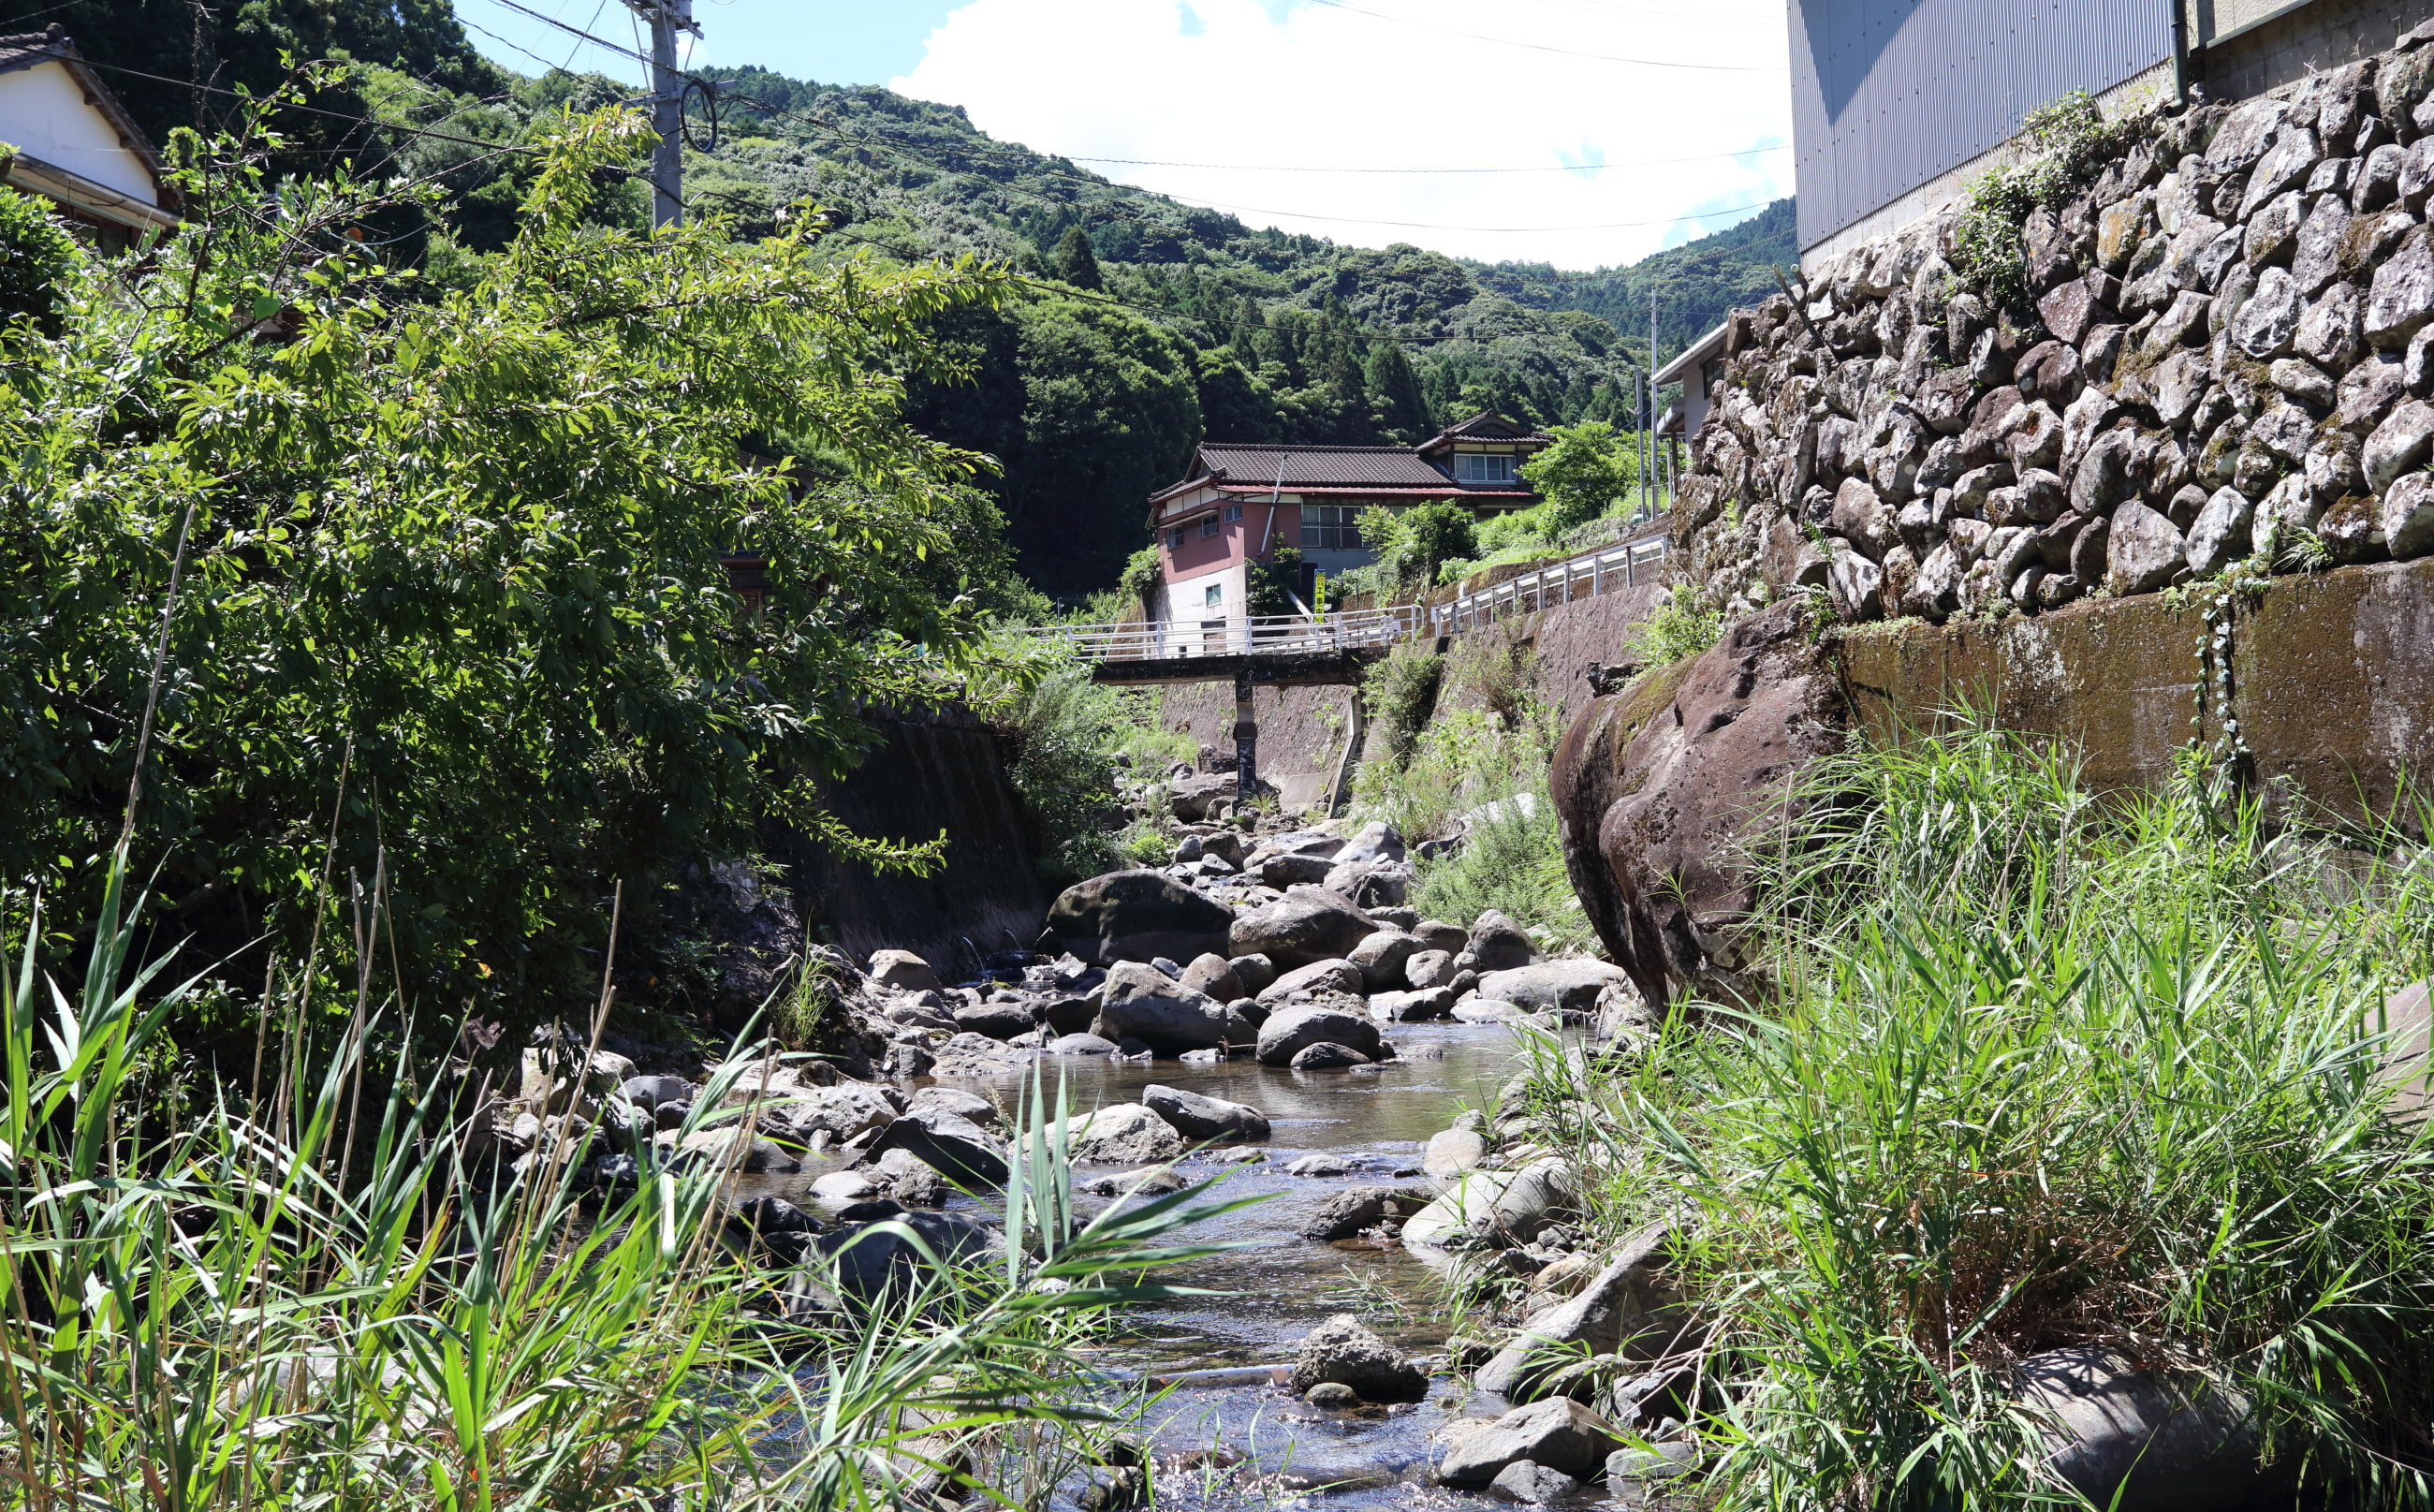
column 1149, row 325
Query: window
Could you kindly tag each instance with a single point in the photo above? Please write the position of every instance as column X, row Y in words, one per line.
column 1329, row 527
column 1233, row 513
column 1174, row 539
column 1210, row 527
column 1483, row 467
column 1213, row 596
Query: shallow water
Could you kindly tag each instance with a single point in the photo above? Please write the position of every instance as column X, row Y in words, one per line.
column 1273, row 1284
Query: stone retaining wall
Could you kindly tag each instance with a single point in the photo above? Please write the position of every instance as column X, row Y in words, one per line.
column 2230, row 350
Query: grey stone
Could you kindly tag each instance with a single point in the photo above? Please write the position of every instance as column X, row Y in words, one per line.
column 1290, row 869
column 1082, row 1044
column 955, row 1100
column 1632, row 1307
column 2219, row 536
column 1499, row 944
column 1412, row 1007
column 2378, row 178
column 2090, row 551
column 2417, row 174
column 2284, row 431
column 2288, row 157
column 1530, row 1484
column 1328, row 1054
column 2145, row 553
column 2032, row 434
column 912, row 1180
column 2289, row 506
column 2329, row 333
column 1507, row 1205
column 1380, row 958
column 1319, row 976
column 1376, row 841
column 903, row 970
column 2398, row 445
column 1863, row 519
column 2333, row 465
column 1664, row 1462
column 732, row 1148
column 2368, row 392
column 1144, row 1003
column 2103, row 478
column 2408, row 516
column 1255, row 972
column 1122, row 1134
column 2302, row 381
column 1854, row 581
column 1452, row 1151
column 1136, row 916
column 2317, row 260
column 1306, row 924
column 872, row 1258
column 2177, row 386
column 1559, row 1433
column 1212, row 975
column 1346, row 1350
column 2402, row 297
column 954, row 1146
column 1291, row 1030
column 2241, row 139
column 2272, row 233
column 1355, row 1211
column 1426, row 969
column 1331, row 1394
column 1199, row 1118
column 2140, row 1439
column 2265, row 325
column 1571, row 985
column 995, row 1021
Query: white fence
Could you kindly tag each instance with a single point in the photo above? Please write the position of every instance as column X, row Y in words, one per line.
column 1607, row 570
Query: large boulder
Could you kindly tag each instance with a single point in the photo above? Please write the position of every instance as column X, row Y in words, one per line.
column 1291, row 1031
column 1660, row 786
column 1138, row 916
column 2156, row 1442
column 1144, row 1004
column 1196, row 1117
column 1319, row 976
column 1377, row 841
column 948, row 1143
column 1354, row 1211
column 1306, row 924
column 1381, row 958
column 1499, row 944
column 1344, row 1350
column 995, row 1021
column 1633, row 1307
column 1214, row 976
column 841, row 1111
column 1560, row 1434
column 903, row 970
column 872, row 1257
column 1122, row 1134
column 1565, row 986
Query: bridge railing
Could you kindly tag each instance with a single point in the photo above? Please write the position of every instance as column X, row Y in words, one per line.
column 1236, row 635
column 1609, row 569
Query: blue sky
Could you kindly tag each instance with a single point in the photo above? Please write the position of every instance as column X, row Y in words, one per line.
column 1582, row 133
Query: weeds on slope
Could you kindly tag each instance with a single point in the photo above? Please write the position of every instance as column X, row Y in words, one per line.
column 266, row 1312
column 2043, row 1069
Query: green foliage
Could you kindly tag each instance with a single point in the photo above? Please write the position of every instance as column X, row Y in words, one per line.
column 452, row 586
column 2038, row 1070
column 1075, row 263
column 1585, row 474
column 1412, row 542
column 1144, row 570
column 1463, row 757
column 1401, row 693
column 1061, row 728
column 1274, row 582
column 37, row 261
column 1684, row 623
column 1511, row 859
column 240, row 1307
column 2065, row 143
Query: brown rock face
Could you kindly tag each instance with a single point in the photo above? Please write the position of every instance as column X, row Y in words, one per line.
column 1657, row 785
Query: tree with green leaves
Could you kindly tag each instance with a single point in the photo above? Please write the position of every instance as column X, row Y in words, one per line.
column 1589, row 470
column 1413, row 542
column 1076, row 264
column 1402, row 409
column 453, row 629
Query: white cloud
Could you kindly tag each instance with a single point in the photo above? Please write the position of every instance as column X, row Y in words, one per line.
column 1629, row 150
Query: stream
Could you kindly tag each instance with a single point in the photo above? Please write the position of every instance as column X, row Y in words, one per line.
column 1276, row 1285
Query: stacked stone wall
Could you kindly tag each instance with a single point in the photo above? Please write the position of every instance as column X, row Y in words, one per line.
column 2226, row 347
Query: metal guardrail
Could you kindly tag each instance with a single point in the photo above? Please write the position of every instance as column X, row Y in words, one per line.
column 1626, row 564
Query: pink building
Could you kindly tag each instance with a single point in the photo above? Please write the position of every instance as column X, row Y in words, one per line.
column 1238, row 503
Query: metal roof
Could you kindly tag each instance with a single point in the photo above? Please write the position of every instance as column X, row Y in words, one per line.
column 1887, row 94
column 1299, row 467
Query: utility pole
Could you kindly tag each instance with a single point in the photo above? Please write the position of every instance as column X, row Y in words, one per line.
column 1649, row 472
column 667, row 18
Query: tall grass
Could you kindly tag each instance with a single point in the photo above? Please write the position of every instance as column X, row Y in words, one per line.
column 216, row 1313
column 2042, row 1069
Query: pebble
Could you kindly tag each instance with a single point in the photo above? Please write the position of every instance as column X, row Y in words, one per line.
column 1331, row 1394
column 1315, row 1165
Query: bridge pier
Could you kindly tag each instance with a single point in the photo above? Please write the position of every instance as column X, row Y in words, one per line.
column 1246, row 739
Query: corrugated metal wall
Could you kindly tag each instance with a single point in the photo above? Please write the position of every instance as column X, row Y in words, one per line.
column 1888, row 93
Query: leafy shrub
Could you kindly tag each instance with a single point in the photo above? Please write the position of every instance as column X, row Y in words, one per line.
column 1412, row 542
column 37, row 258
column 1684, row 625
column 2066, row 143
column 1512, row 859
column 1402, row 692
column 1273, row 582
column 1143, row 571
column 1588, row 472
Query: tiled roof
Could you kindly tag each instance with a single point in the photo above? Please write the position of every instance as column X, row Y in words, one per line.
column 1487, row 425
column 1318, row 467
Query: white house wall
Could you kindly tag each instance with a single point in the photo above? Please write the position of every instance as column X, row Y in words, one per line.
column 43, row 115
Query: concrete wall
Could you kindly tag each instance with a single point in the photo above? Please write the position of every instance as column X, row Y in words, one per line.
column 2313, row 39
column 2332, row 682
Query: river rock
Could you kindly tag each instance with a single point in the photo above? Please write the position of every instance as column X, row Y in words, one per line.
column 1560, row 1434
column 1428, row 968
column 1081, row 1044
column 841, row 1111
column 1255, row 974
column 1381, row 958
column 1633, row 1306
column 995, row 1021
column 1570, row 986
column 1374, row 841
column 731, row 1147
column 650, row 1091
column 903, row 970
column 1291, row 1030
column 870, row 1256
column 1452, row 1151
column 1306, row 924
column 1328, row 1055
column 1144, row 1004
column 1287, row 870
column 962, row 1104
column 1498, row 944
column 842, row 1189
column 2160, row 1444
column 1138, row 916
column 1212, row 975
column 1412, row 1007
column 1344, row 1350
column 1319, row 976
column 1530, row 1484
column 1659, row 785
column 1354, row 1211
column 1319, row 1164
column 954, row 1146
column 1437, row 935
column 1196, row 1117
column 1507, row 1207
column 1122, row 1134
column 1471, row 1007
column 910, row 1179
